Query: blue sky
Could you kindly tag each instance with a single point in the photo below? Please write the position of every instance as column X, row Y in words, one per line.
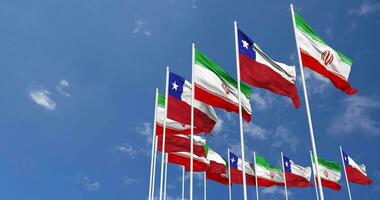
column 77, row 88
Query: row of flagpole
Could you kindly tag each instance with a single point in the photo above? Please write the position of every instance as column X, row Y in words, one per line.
column 162, row 191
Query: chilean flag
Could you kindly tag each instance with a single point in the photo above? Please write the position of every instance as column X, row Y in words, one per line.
column 355, row 173
column 259, row 70
column 296, row 176
column 236, row 171
column 179, row 105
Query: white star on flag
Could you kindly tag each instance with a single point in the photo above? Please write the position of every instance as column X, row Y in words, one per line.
column 175, row 86
column 232, row 160
column 245, row 44
column 286, row 164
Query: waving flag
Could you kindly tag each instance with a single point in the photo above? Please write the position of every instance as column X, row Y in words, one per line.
column 259, row 70
column 296, row 175
column 219, row 178
column 355, row 173
column 236, row 167
column 172, row 127
column 182, row 143
column 179, row 105
column 329, row 172
column 215, row 87
column 217, row 163
column 200, row 163
column 321, row 58
column 267, row 174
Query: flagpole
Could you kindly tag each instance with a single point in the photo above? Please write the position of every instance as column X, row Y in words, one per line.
column 192, row 120
column 204, row 186
column 256, row 181
column 153, row 145
column 154, row 166
column 164, row 132
column 345, row 173
column 183, row 182
column 314, row 148
column 315, row 181
column 166, row 174
column 240, row 110
column 283, row 171
column 229, row 174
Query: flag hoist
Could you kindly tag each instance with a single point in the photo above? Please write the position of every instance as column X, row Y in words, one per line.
column 314, row 148
column 240, row 109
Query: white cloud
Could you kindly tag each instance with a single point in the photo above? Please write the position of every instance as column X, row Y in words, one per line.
column 129, row 180
column 262, row 100
column 91, row 185
column 356, row 116
column 62, row 84
column 142, row 27
column 366, row 8
column 329, row 33
column 275, row 191
column 315, row 83
column 41, row 97
column 255, row 131
column 283, row 137
column 218, row 126
column 127, row 149
column 145, row 129
column 194, row 4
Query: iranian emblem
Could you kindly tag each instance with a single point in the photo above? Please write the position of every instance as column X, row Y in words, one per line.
column 327, row 57
column 225, row 88
column 272, row 174
column 326, row 173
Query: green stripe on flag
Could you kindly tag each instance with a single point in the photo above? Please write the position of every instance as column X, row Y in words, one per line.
column 261, row 161
column 306, row 28
column 206, row 147
column 329, row 164
column 161, row 100
column 207, row 63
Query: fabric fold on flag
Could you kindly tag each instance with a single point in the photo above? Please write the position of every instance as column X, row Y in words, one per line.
column 267, row 174
column 236, row 167
column 215, row 87
column 296, row 175
column 182, row 143
column 179, row 105
column 356, row 173
column 318, row 56
column 259, row 70
column 329, row 172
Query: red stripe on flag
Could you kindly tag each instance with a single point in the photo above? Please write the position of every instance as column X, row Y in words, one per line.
column 237, row 177
column 293, row 180
column 355, row 176
column 219, row 178
column 262, row 76
column 179, row 144
column 337, row 80
column 268, row 183
column 212, row 99
column 171, row 131
column 329, row 184
column 198, row 166
column 181, row 111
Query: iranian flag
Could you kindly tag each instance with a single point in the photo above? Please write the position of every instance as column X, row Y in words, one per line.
column 215, row 87
column 182, row 143
column 219, row 178
column 329, row 172
column 217, row 163
column 236, row 167
column 321, row 58
column 267, row 174
column 179, row 105
column 200, row 163
column 296, row 175
column 172, row 126
column 356, row 173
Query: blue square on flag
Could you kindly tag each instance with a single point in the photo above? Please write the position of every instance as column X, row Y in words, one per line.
column 175, row 86
column 233, row 160
column 287, row 164
column 246, row 45
column 345, row 158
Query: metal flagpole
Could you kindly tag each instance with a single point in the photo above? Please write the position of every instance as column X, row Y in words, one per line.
column 192, row 120
column 154, row 166
column 183, row 182
column 256, row 181
column 204, row 186
column 240, row 110
column 229, row 174
column 166, row 174
column 164, row 132
column 345, row 173
column 283, row 171
column 314, row 148
column 315, row 181
column 153, row 145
